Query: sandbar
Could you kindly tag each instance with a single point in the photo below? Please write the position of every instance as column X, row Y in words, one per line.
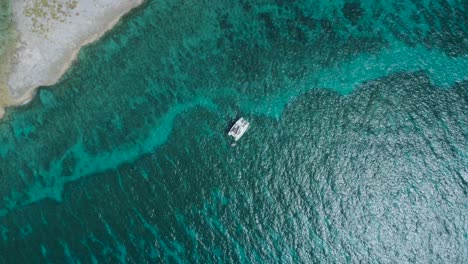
column 49, row 37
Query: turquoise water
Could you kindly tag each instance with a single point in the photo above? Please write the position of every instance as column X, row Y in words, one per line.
column 357, row 150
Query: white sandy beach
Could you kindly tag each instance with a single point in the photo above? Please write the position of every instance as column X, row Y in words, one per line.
column 48, row 44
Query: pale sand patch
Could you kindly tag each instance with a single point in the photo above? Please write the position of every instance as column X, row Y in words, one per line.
column 49, row 44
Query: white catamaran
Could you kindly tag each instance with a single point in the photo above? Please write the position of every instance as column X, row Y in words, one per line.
column 238, row 129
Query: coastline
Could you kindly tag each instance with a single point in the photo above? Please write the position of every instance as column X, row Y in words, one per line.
column 36, row 62
column 5, row 61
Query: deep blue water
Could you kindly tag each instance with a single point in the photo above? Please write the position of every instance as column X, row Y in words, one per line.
column 357, row 150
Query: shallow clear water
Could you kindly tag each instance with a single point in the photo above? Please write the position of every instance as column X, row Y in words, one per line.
column 7, row 44
column 357, row 150
column 6, row 25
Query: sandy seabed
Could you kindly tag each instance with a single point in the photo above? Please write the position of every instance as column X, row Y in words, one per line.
column 42, row 56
